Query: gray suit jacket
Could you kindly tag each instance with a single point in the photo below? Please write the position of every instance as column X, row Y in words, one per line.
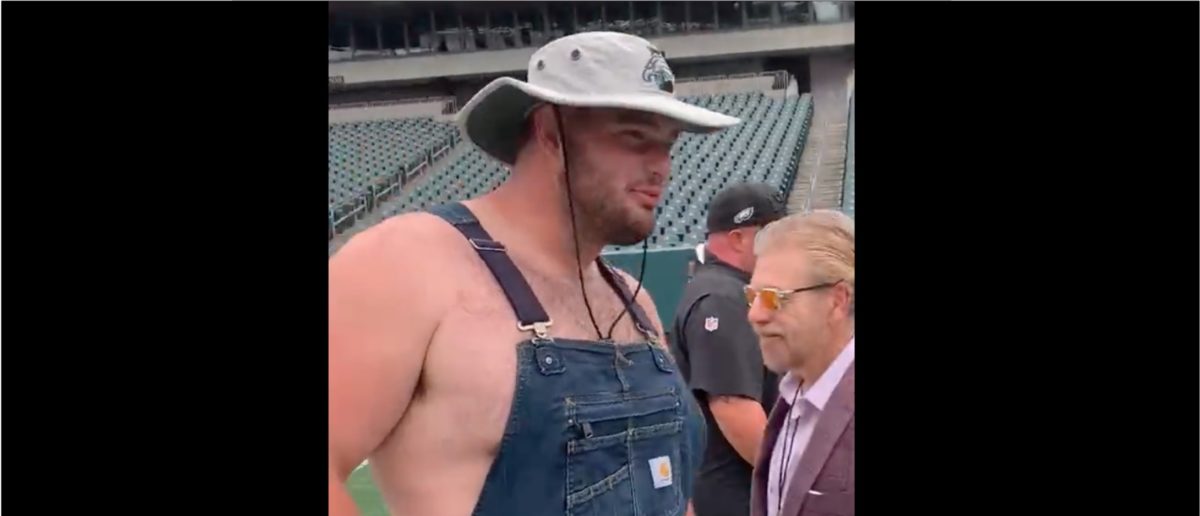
column 827, row 466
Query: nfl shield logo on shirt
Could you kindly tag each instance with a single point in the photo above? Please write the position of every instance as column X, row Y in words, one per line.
column 711, row 324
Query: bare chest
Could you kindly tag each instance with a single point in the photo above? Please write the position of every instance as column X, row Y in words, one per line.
column 455, row 425
column 471, row 363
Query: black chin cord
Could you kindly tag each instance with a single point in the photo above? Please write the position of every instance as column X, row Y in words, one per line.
column 562, row 142
column 633, row 298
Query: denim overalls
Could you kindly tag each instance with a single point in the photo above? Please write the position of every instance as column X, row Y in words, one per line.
column 595, row 428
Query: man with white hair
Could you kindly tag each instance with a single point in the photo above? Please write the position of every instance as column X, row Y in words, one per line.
column 801, row 299
column 482, row 355
column 718, row 353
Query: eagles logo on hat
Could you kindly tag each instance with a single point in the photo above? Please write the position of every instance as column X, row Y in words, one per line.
column 589, row 69
column 656, row 71
column 744, row 215
column 745, row 204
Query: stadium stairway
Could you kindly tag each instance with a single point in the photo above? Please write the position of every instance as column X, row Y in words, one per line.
column 819, row 178
column 386, row 208
column 848, row 189
column 820, row 175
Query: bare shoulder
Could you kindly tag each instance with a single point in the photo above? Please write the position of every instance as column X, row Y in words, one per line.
column 402, row 248
column 411, row 236
column 382, row 318
column 394, row 260
column 644, row 300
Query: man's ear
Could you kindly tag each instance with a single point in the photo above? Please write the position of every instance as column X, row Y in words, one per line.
column 745, row 241
column 841, row 298
column 545, row 130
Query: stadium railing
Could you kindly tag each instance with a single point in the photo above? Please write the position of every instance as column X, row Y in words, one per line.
column 782, row 78
column 450, row 102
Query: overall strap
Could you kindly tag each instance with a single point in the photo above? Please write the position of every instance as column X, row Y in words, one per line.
column 635, row 310
column 530, row 314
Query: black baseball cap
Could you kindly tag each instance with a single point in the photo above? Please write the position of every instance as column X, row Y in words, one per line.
column 745, row 205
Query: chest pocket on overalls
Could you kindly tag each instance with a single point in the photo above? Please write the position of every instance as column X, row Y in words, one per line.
column 624, row 456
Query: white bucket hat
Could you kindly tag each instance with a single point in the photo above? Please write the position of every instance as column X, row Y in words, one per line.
column 589, row 69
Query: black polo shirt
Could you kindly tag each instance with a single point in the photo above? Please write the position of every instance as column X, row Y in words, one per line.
column 718, row 354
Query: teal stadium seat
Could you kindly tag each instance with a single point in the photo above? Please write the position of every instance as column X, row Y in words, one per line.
column 362, row 153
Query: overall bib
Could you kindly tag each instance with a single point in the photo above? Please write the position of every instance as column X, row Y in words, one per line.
column 595, row 428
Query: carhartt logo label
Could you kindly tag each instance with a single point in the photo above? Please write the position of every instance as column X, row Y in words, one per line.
column 657, row 71
column 660, row 471
column 744, row 215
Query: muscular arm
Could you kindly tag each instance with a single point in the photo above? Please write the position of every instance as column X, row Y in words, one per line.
column 380, row 324
column 340, row 502
column 726, row 366
column 742, row 421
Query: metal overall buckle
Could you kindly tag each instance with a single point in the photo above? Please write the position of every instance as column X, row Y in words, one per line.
column 540, row 329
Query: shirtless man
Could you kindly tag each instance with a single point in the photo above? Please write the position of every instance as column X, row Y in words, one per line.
column 480, row 355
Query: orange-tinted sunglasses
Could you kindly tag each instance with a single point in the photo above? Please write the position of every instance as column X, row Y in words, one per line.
column 773, row 298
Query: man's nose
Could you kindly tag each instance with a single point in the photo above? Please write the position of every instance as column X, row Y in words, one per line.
column 758, row 313
column 659, row 164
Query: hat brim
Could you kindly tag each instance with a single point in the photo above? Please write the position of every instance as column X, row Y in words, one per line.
column 493, row 118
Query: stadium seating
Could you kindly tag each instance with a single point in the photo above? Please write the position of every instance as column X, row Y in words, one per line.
column 471, row 176
column 765, row 147
column 362, row 154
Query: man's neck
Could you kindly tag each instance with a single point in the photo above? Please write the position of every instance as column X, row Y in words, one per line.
column 721, row 251
column 819, row 362
column 543, row 227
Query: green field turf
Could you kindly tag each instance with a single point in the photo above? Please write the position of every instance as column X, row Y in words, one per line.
column 362, row 489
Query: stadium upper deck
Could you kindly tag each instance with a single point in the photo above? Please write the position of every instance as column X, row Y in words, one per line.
column 379, row 42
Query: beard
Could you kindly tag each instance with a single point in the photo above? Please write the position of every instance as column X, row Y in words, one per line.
column 608, row 219
column 775, row 354
column 603, row 213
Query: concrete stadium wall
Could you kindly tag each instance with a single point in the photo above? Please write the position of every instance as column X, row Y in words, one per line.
column 718, row 67
column 679, row 48
column 463, row 92
column 830, row 77
column 723, row 86
column 358, row 114
column 406, row 92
